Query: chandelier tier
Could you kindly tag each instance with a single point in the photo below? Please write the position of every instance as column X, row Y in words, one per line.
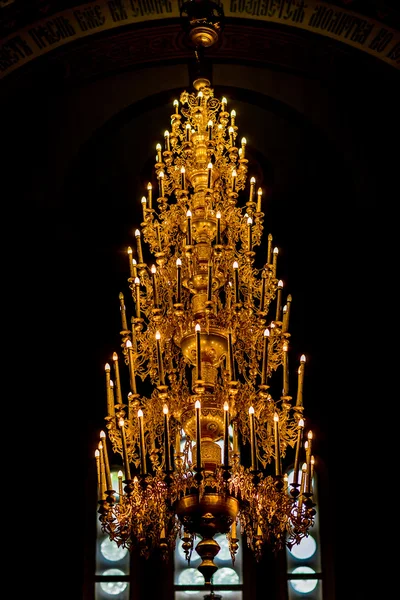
column 204, row 444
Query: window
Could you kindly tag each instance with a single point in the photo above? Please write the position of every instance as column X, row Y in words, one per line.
column 227, row 581
column 304, row 571
column 112, row 563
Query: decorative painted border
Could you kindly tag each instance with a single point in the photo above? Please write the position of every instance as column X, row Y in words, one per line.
column 70, row 25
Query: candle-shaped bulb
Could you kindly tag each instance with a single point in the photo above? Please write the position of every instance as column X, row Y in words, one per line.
column 153, row 269
column 120, row 474
column 224, row 102
column 198, row 350
column 165, row 409
column 231, row 132
column 276, row 418
column 189, row 228
column 242, row 150
column 253, row 449
column 97, row 453
column 275, row 253
column 264, row 369
column 218, row 240
column 210, row 129
column 226, row 435
column 178, row 262
column 149, row 195
column 143, row 201
column 137, row 281
column 209, row 178
column 140, row 413
column 115, row 356
column 234, row 175
column 161, row 183
column 166, row 137
column 301, row 423
column 158, row 148
column 121, row 422
column 159, row 359
column 129, row 248
column 183, row 182
column 259, row 197
column 197, row 404
column 128, row 344
column 303, row 358
column 236, row 278
column 176, row 106
column 107, row 367
column 249, row 233
column 310, row 435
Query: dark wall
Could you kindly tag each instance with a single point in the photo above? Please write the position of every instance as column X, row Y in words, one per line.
column 67, row 219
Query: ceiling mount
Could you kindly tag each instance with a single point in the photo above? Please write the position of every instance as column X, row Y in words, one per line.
column 203, row 21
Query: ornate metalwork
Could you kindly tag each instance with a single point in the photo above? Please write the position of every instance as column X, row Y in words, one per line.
column 208, row 336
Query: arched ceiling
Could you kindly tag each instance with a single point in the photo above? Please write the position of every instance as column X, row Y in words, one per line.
column 85, row 40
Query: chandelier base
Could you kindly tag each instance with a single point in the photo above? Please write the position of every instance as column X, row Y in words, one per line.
column 207, row 515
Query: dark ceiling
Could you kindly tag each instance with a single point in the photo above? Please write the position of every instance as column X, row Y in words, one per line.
column 78, row 131
column 17, row 13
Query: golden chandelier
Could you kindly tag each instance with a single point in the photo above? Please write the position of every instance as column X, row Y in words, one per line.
column 203, row 451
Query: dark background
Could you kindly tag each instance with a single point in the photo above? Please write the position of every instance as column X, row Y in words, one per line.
column 68, row 217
